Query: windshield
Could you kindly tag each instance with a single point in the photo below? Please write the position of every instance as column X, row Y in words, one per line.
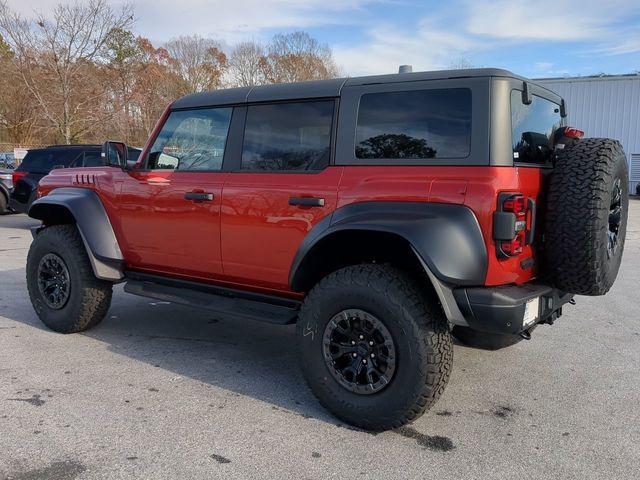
column 533, row 127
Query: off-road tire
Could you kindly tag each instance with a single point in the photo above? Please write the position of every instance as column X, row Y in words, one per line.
column 420, row 334
column 89, row 297
column 482, row 340
column 579, row 198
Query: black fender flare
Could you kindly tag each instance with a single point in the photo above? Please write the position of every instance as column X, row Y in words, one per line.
column 92, row 222
column 446, row 238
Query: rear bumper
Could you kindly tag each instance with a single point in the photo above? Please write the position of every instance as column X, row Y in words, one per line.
column 501, row 309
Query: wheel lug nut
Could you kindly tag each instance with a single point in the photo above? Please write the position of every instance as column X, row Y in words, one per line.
column 353, row 342
column 364, row 360
column 354, row 355
column 371, row 343
column 373, row 355
column 361, row 337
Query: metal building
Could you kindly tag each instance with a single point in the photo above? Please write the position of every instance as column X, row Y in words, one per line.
column 605, row 106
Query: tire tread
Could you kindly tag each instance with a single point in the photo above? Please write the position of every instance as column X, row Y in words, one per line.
column 419, row 309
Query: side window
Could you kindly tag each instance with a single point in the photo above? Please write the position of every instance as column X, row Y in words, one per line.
column 288, row 136
column 420, row 124
column 133, row 154
column 92, row 159
column 532, row 128
column 191, row 140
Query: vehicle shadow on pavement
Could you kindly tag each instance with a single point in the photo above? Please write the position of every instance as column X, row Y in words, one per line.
column 249, row 358
column 19, row 221
column 242, row 356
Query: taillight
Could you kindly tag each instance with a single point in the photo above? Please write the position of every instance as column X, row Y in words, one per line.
column 513, row 247
column 515, row 204
column 512, row 226
column 15, row 176
column 572, row 132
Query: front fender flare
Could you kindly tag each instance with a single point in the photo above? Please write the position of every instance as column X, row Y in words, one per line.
column 92, row 222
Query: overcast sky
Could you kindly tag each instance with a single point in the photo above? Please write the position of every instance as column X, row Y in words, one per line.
column 532, row 38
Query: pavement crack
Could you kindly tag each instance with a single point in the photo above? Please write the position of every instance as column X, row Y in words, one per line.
column 34, row 400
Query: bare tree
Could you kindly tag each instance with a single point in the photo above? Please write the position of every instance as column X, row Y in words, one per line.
column 82, row 75
column 18, row 113
column 296, row 57
column 199, row 61
column 156, row 85
column 54, row 58
column 246, row 64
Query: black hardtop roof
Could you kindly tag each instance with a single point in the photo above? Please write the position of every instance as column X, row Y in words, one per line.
column 323, row 88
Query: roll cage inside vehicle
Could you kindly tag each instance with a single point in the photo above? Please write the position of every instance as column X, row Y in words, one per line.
column 379, row 213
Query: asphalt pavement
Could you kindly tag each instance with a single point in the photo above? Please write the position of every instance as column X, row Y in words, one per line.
column 161, row 391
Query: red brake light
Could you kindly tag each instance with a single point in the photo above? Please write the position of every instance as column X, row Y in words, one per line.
column 516, row 204
column 514, row 247
column 572, row 132
column 511, row 223
column 15, row 176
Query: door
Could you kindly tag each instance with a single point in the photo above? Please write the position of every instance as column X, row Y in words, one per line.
column 169, row 211
column 282, row 185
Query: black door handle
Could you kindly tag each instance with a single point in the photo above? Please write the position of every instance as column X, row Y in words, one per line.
column 306, row 201
column 198, row 196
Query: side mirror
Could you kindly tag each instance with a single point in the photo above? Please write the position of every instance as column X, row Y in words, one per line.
column 114, row 153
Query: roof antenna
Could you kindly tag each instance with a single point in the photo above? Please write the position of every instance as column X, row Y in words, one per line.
column 405, row 69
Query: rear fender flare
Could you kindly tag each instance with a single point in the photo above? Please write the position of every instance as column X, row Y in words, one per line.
column 446, row 239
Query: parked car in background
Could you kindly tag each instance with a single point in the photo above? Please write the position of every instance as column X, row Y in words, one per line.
column 40, row 161
column 6, row 185
column 7, row 164
column 7, row 160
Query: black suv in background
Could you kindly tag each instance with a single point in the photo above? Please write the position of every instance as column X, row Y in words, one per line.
column 6, row 170
column 40, row 161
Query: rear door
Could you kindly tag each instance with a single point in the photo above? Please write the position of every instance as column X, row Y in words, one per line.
column 282, row 184
column 169, row 212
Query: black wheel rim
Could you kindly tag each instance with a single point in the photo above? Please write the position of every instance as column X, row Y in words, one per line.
column 53, row 281
column 359, row 351
column 615, row 218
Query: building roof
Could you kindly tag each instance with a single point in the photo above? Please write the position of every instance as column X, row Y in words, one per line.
column 323, row 88
column 591, row 78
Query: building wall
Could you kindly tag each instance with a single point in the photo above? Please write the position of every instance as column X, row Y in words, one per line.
column 606, row 106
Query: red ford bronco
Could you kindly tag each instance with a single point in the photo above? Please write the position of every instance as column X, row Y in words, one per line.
column 382, row 214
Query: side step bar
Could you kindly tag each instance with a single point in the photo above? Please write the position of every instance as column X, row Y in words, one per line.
column 221, row 300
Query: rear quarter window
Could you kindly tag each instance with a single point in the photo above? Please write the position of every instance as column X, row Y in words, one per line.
column 532, row 128
column 42, row 161
column 415, row 124
column 92, row 159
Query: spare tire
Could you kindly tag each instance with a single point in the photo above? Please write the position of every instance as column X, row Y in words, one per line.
column 586, row 216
